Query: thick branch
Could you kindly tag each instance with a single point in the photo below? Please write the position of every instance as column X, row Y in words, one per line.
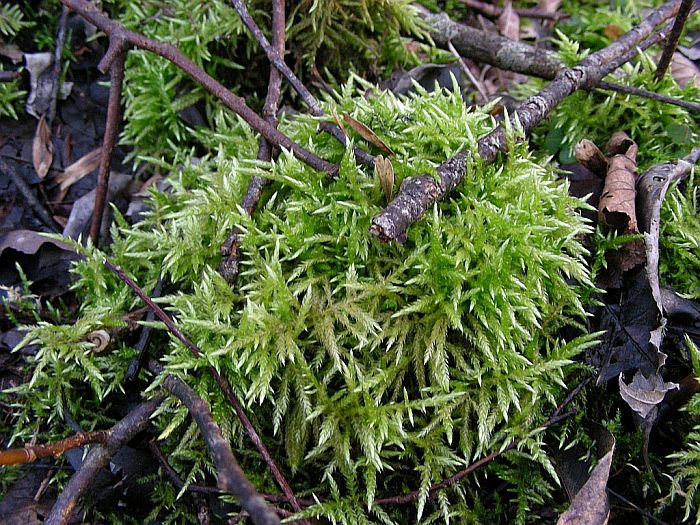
column 98, row 458
column 231, row 477
column 418, row 194
column 233, row 102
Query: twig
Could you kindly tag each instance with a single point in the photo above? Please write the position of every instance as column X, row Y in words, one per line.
column 231, row 477
column 108, row 141
column 418, row 194
column 479, row 87
column 527, row 12
column 9, row 76
column 30, row 453
column 39, row 210
column 555, row 418
column 672, row 42
column 277, row 60
column 637, row 508
column 172, row 475
column 230, row 250
column 56, row 73
column 98, row 458
column 141, row 346
column 630, row 90
column 220, row 380
column 120, row 35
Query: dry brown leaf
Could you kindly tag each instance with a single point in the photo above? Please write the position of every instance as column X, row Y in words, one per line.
column 643, row 394
column 683, row 70
column 42, row 148
column 549, row 6
column 509, row 22
column 340, row 123
column 616, row 208
column 367, row 134
column 588, row 154
column 591, row 506
column 79, row 169
column 385, row 172
column 613, row 31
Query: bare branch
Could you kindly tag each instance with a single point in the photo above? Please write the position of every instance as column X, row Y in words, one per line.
column 233, row 102
column 98, row 458
column 673, row 38
column 418, row 194
column 30, row 453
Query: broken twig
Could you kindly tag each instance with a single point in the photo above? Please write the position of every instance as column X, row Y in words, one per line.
column 673, row 38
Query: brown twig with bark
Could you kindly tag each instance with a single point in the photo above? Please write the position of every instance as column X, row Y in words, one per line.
column 673, row 37
column 230, row 477
column 98, row 458
column 119, row 37
column 109, row 140
column 277, row 61
column 30, row 453
column 223, row 383
column 418, row 194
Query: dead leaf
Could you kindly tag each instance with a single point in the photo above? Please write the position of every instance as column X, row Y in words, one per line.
column 643, row 394
column 588, row 154
column 684, row 70
column 591, row 506
column 340, row 123
column 613, row 32
column 40, row 82
column 79, row 169
column 42, row 148
column 367, row 134
column 385, row 172
column 509, row 22
column 616, row 208
column 549, row 6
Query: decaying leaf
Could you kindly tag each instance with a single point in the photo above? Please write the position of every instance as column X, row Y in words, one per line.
column 340, row 123
column 590, row 506
column 42, row 148
column 549, row 6
column 588, row 154
column 367, row 134
column 40, row 84
column 643, row 394
column 613, row 31
column 684, row 70
column 509, row 22
column 616, row 209
column 385, row 171
column 79, row 169
column 11, row 51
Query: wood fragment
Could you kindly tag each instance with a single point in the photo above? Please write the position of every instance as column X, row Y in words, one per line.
column 588, row 154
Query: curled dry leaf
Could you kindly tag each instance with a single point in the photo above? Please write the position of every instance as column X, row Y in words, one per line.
column 588, row 154
column 643, row 394
column 509, row 22
column 616, row 208
column 42, row 148
column 684, row 70
column 81, row 167
column 385, row 171
column 367, row 134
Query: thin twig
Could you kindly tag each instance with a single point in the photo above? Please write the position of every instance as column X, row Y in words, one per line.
column 231, row 477
column 141, row 346
column 220, row 380
column 418, row 194
column 172, row 475
column 526, row 12
column 108, row 142
column 555, row 418
column 56, row 73
column 637, row 508
column 673, row 37
column 277, row 60
column 39, row 210
column 638, row 92
column 9, row 76
column 30, row 453
column 98, row 458
column 479, row 87
column 171, row 53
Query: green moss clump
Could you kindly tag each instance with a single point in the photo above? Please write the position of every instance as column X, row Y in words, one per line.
column 370, row 369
